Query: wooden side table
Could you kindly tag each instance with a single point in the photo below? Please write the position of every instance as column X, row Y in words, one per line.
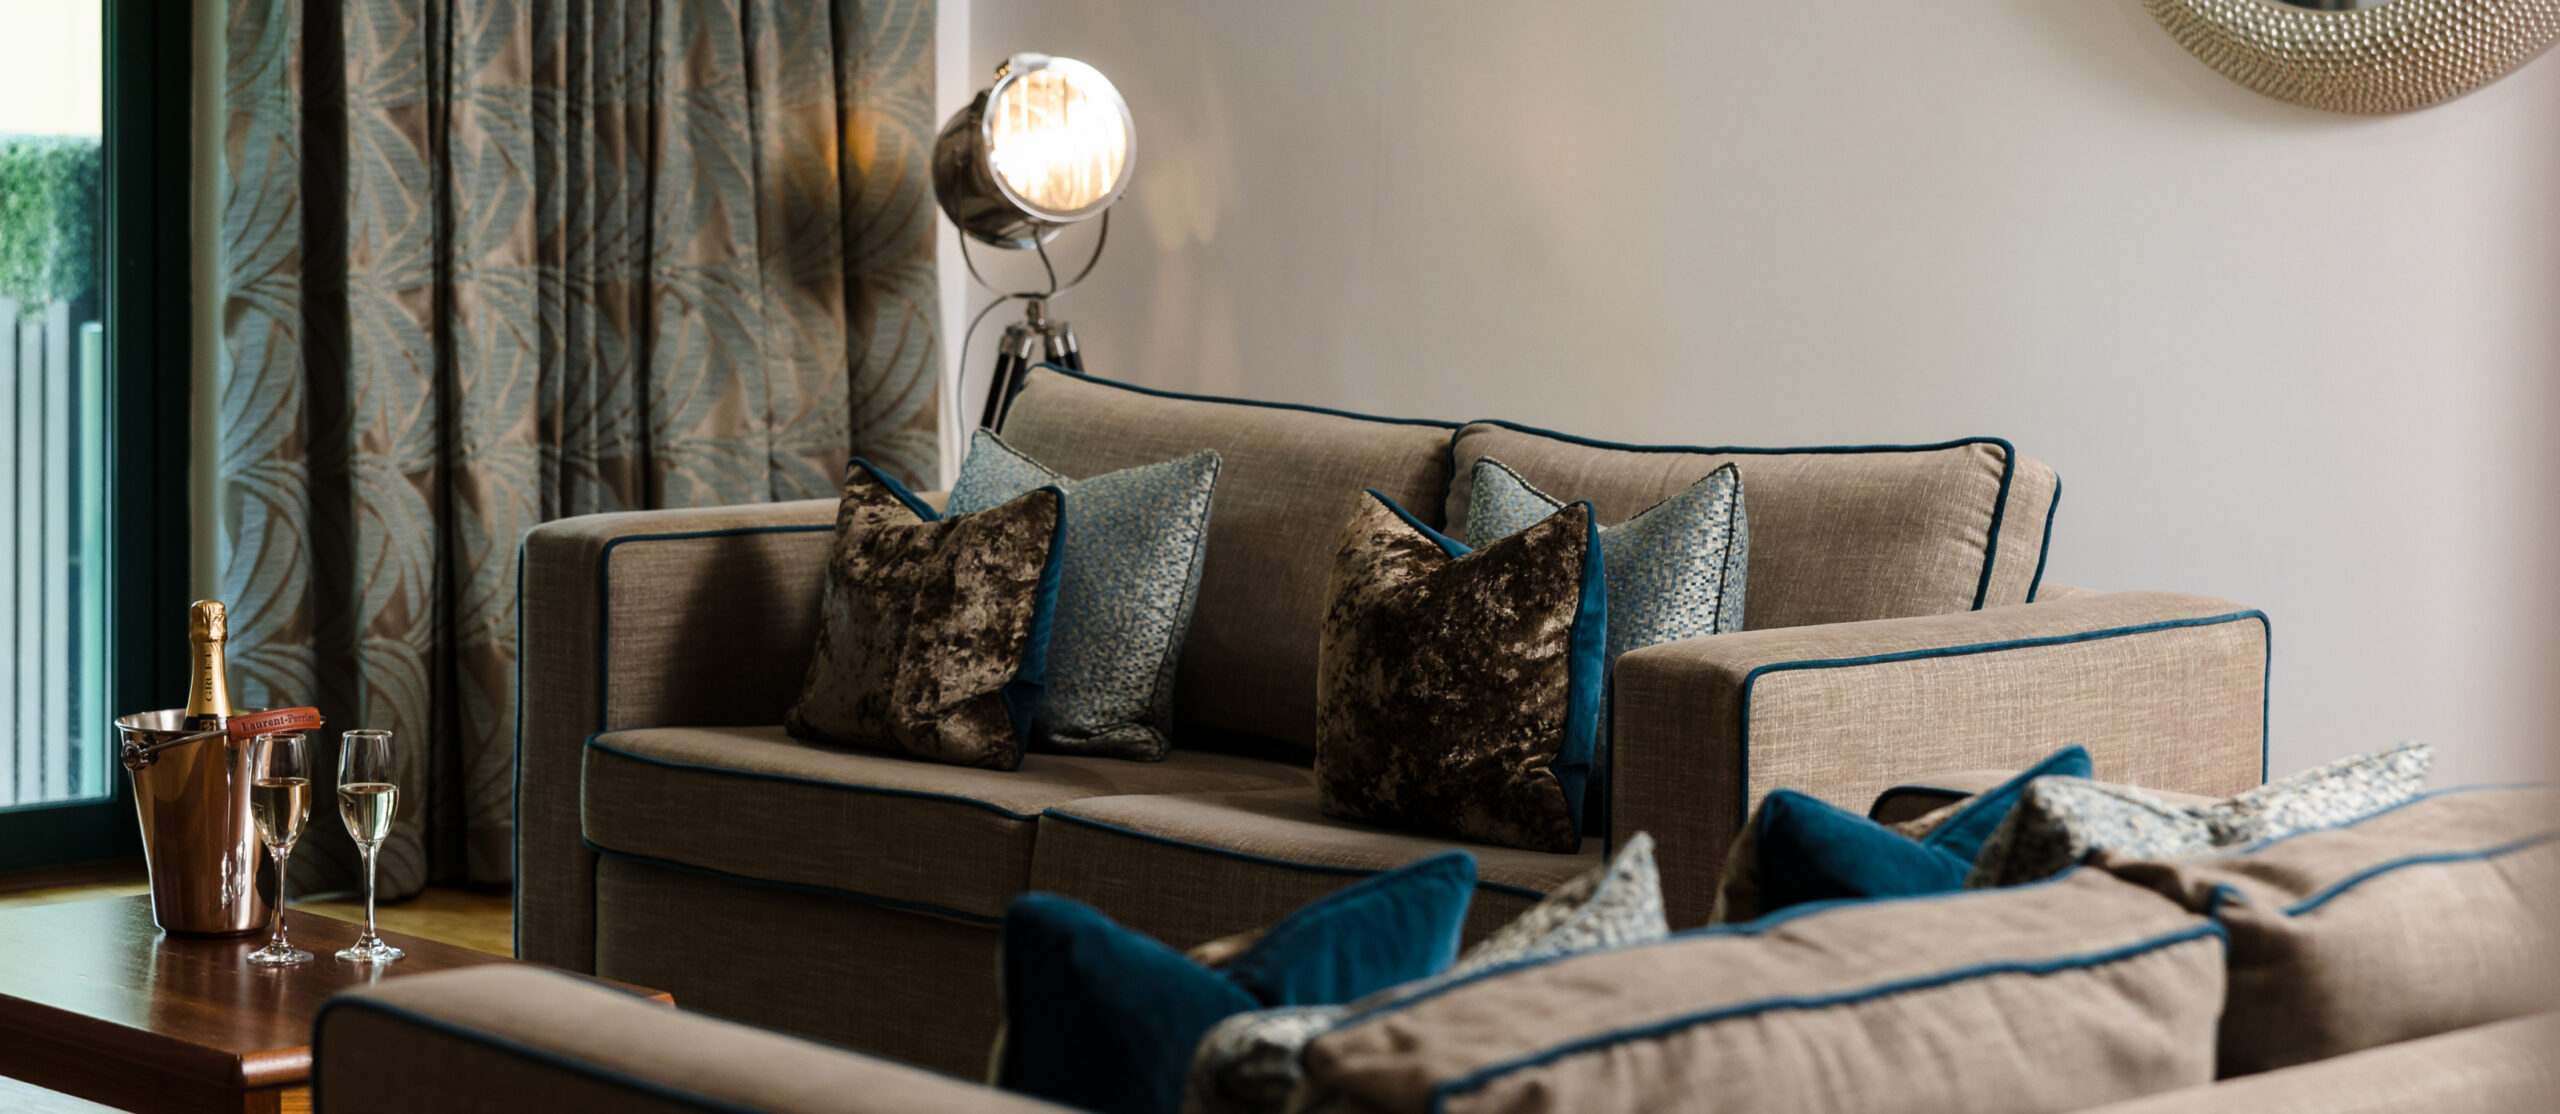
column 95, row 1002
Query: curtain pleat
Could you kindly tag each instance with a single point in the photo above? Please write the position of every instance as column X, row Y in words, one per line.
column 493, row 262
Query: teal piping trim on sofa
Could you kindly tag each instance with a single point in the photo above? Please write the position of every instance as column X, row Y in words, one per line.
column 1267, row 860
column 595, row 742
column 900, row 904
column 2266, row 693
column 1751, row 680
column 1477, row 1079
column 542, row 1056
column 1999, row 498
column 2044, row 549
column 1753, row 927
column 2332, row 890
column 1160, row 392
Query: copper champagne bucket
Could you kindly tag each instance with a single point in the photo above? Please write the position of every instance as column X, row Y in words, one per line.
column 198, row 836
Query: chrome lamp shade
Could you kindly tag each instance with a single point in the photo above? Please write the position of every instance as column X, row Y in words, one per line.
column 1049, row 144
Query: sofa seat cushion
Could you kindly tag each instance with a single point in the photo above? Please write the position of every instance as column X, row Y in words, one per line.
column 1191, row 867
column 1838, row 534
column 1287, row 482
column 757, row 804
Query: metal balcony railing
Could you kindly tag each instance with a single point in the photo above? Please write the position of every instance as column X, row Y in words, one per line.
column 52, row 537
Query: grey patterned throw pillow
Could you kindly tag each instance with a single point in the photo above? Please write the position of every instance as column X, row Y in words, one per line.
column 2061, row 821
column 1676, row 570
column 1134, row 543
column 1248, row 1064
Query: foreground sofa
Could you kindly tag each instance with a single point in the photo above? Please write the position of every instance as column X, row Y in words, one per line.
column 669, row 834
column 496, row 1039
column 2398, row 961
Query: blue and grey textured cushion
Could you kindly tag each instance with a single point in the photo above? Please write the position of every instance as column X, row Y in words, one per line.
column 1676, row 569
column 1248, row 1064
column 2061, row 821
column 1134, row 543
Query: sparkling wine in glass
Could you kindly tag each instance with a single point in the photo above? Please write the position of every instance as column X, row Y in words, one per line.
column 280, row 801
column 368, row 797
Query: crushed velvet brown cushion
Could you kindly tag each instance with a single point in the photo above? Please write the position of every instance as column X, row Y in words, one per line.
column 1457, row 692
column 933, row 631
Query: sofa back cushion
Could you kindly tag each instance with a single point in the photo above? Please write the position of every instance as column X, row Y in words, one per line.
column 2056, row 996
column 1290, row 479
column 1838, row 535
column 2434, row 916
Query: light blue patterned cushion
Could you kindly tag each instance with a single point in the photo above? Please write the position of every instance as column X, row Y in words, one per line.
column 1676, row 569
column 1134, row 542
column 2060, row 821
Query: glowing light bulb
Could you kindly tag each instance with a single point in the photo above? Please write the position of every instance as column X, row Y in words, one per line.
column 1049, row 144
column 1059, row 138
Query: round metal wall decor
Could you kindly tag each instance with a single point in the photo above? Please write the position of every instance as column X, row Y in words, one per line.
column 2398, row 56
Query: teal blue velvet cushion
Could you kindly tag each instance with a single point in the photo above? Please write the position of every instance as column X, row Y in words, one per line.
column 1676, row 569
column 1135, row 539
column 1811, row 850
column 1105, row 1018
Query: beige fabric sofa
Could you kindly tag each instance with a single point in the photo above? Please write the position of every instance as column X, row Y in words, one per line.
column 670, row 835
column 495, row 1039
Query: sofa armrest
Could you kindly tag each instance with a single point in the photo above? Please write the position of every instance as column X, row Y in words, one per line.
column 508, row 1038
column 2165, row 690
column 644, row 619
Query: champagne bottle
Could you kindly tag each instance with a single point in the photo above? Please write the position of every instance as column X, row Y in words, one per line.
column 209, row 683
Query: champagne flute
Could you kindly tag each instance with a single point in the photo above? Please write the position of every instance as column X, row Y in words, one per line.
column 280, row 799
column 367, row 798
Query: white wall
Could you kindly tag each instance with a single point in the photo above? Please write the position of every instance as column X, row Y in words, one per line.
column 2302, row 361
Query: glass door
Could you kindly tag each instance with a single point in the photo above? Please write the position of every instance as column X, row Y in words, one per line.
column 92, row 123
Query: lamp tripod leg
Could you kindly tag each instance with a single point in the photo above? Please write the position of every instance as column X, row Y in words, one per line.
column 1007, row 380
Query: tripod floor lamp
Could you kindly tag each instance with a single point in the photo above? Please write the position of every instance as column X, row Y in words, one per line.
column 1048, row 145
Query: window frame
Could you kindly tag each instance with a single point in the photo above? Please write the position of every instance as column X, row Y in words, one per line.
column 143, row 247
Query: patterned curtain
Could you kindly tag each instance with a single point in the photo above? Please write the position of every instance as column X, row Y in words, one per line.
column 493, row 262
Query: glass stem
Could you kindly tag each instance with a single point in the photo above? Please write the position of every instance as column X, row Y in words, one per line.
column 368, row 889
column 275, row 938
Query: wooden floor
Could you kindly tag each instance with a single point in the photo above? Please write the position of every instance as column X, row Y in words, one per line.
column 476, row 917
